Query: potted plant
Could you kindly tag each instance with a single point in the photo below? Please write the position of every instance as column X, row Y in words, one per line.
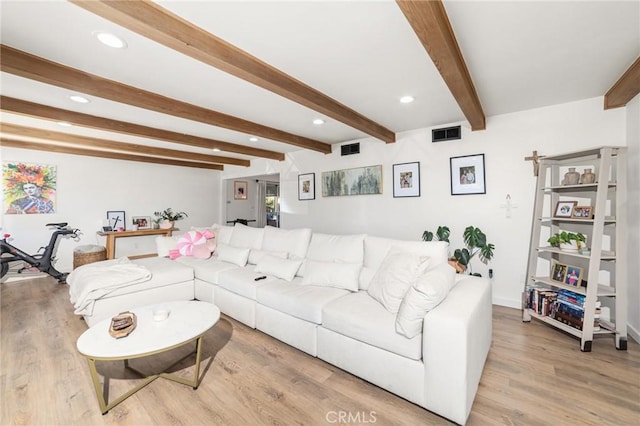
column 568, row 241
column 167, row 218
column 475, row 241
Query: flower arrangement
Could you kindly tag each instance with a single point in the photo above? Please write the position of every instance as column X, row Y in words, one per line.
column 169, row 215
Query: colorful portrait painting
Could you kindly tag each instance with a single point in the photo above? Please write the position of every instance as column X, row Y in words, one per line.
column 29, row 188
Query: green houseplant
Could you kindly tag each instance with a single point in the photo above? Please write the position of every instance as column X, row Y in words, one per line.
column 568, row 241
column 166, row 218
column 475, row 241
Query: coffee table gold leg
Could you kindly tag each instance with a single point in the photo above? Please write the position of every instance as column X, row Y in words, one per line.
column 96, row 384
column 196, row 374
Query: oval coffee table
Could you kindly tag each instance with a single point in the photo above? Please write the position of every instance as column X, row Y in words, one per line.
column 187, row 322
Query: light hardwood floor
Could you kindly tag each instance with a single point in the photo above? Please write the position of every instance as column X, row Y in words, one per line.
column 534, row 375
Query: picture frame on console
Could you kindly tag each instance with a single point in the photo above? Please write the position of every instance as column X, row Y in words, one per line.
column 116, row 219
column 307, row 186
column 406, row 180
column 143, row 222
column 240, row 190
column 468, row 175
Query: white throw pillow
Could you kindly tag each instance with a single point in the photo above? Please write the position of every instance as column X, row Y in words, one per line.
column 332, row 274
column 398, row 271
column 293, row 241
column 255, row 255
column 165, row 244
column 235, row 255
column 246, row 236
column 429, row 290
column 281, row 268
column 223, row 233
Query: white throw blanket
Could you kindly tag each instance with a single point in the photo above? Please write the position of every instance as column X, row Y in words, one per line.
column 93, row 281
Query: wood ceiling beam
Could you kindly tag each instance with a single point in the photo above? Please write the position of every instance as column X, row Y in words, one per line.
column 156, row 23
column 626, row 88
column 22, row 132
column 31, row 109
column 35, row 68
column 13, row 142
column 430, row 23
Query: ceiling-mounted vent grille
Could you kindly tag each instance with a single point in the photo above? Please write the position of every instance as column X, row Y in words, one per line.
column 350, row 149
column 446, row 134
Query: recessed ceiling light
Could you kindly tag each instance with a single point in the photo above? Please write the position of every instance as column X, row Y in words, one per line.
column 216, row 149
column 110, row 40
column 407, row 99
column 318, row 121
column 64, row 124
column 253, row 139
column 79, row 99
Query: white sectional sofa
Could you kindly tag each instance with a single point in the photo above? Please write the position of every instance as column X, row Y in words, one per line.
column 327, row 295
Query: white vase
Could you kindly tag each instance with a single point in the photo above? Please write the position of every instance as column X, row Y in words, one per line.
column 569, row 247
column 166, row 224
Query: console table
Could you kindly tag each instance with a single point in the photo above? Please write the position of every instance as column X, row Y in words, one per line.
column 112, row 235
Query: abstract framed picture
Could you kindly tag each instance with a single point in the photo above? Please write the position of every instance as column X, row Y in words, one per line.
column 116, row 219
column 468, row 175
column 357, row 181
column 406, row 180
column 307, row 186
column 240, row 190
column 29, row 188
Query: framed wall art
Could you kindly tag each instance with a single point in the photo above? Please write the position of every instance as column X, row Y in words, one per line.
column 468, row 175
column 116, row 219
column 406, row 180
column 358, row 181
column 307, row 186
column 240, row 190
column 29, row 188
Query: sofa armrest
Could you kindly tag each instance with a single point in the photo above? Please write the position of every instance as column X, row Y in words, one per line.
column 456, row 339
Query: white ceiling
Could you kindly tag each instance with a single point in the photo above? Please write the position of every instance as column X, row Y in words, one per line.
column 364, row 54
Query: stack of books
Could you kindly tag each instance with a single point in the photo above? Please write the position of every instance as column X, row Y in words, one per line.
column 568, row 308
column 541, row 300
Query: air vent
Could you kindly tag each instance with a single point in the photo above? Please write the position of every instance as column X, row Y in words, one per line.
column 350, row 149
column 446, row 134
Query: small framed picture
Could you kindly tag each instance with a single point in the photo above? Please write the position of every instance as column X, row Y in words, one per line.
column 307, row 186
column 582, row 212
column 240, row 190
column 564, row 208
column 559, row 272
column 406, row 180
column 143, row 222
column 467, row 175
column 116, row 219
column 573, row 276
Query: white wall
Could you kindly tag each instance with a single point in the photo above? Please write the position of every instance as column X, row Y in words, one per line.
column 88, row 187
column 633, row 142
column 505, row 143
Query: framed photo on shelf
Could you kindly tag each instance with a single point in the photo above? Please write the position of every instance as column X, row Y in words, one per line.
column 143, row 222
column 307, row 186
column 582, row 212
column 116, row 219
column 559, row 272
column 406, row 180
column 467, row 175
column 240, row 190
column 564, row 208
column 574, row 276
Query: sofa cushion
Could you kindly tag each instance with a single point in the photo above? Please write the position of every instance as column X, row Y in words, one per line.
column 295, row 242
column 332, row 274
column 278, row 267
column 336, row 248
column 425, row 294
column 236, row 255
column 246, row 236
column 166, row 244
column 223, row 233
column 256, row 255
column 376, row 249
column 398, row 271
column 207, row 270
column 242, row 281
column 301, row 301
column 360, row 317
